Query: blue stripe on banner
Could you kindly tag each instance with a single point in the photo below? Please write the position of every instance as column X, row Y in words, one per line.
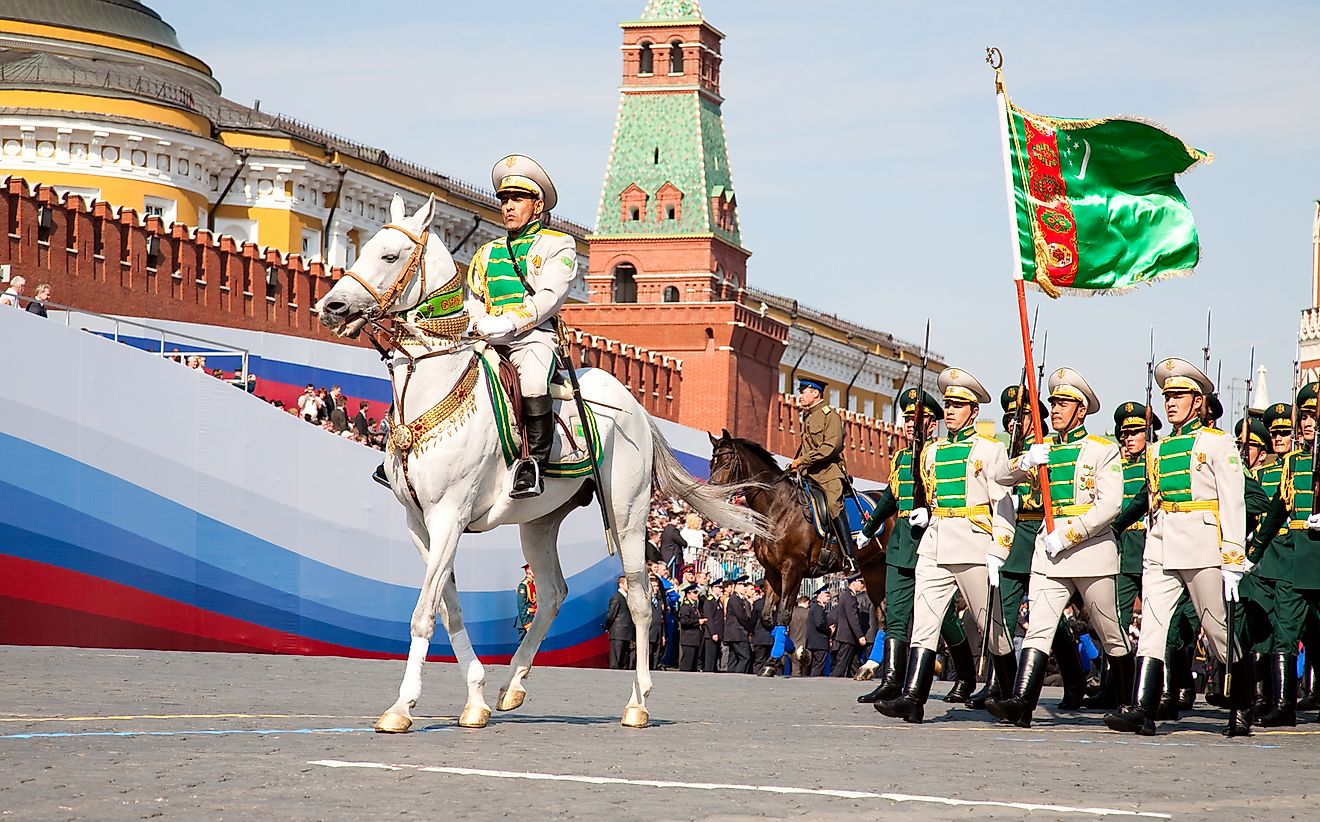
column 200, row 561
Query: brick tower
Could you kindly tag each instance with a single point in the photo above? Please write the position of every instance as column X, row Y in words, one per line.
column 667, row 262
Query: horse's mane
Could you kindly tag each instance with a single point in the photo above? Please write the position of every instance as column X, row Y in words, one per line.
column 759, row 451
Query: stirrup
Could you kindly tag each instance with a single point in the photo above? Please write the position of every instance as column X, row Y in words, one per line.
column 379, row 476
column 536, row 487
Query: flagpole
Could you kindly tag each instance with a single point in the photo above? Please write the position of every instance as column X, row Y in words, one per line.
column 996, row 60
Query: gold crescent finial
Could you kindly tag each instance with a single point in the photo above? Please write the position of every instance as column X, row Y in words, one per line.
column 994, row 57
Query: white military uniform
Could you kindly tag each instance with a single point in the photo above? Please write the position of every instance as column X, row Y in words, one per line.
column 952, row 554
column 549, row 266
column 1088, row 561
column 1197, row 532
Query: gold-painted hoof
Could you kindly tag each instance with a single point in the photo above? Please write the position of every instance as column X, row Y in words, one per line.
column 635, row 716
column 393, row 722
column 473, row 717
column 510, row 700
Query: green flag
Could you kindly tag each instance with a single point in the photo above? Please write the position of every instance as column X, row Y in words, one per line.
column 1098, row 211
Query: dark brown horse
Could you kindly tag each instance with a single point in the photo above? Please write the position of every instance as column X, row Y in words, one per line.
column 796, row 551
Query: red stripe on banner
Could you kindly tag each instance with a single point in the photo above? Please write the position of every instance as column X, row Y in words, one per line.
column 1053, row 216
column 43, row 604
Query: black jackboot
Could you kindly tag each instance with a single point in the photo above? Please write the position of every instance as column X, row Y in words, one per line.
column 1139, row 718
column 539, row 422
column 892, row 673
column 1123, row 673
column 1017, row 708
column 1186, row 683
column 988, row 689
column 911, row 705
column 843, row 532
column 1283, row 675
column 1070, row 669
column 1309, row 698
column 964, row 672
column 1107, row 697
column 1170, row 706
column 1267, row 695
column 1241, row 697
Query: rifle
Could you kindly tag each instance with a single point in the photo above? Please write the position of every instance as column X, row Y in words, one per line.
column 1044, row 349
column 1246, row 412
column 919, row 495
column 1150, row 386
column 1018, row 434
column 1297, row 386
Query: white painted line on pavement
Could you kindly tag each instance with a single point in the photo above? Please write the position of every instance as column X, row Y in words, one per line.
column 716, row 786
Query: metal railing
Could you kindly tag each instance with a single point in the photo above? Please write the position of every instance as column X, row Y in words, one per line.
column 112, row 330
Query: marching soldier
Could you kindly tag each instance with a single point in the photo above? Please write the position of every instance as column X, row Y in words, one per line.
column 517, row 284
column 1130, row 528
column 901, row 564
column 1263, row 473
column 969, row 530
column 1286, row 559
column 1080, row 555
column 820, row 459
column 1196, row 543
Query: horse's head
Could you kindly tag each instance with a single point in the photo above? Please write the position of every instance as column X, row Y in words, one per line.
column 726, row 462
column 396, row 269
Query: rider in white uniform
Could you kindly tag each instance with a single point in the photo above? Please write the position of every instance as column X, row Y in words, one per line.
column 516, row 297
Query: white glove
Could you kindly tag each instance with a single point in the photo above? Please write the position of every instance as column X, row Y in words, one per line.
column 1313, row 522
column 1247, row 565
column 1053, row 544
column 1231, row 580
column 863, row 540
column 919, row 518
column 495, row 329
column 992, row 566
column 1037, row 455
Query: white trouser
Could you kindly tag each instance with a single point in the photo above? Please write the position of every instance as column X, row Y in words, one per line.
column 1049, row 596
column 1160, row 589
column 935, row 586
column 533, row 354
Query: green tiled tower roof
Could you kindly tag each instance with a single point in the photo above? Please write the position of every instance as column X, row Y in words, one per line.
column 672, row 10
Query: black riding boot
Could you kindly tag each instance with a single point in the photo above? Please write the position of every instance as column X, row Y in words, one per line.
column 539, row 422
column 1107, row 697
column 1186, row 682
column 1139, row 718
column 1283, row 674
column 1310, row 685
column 964, row 673
column 910, row 706
column 1026, row 692
column 1241, row 696
column 1267, row 695
column 1170, row 707
column 892, row 673
column 843, row 532
column 1123, row 673
column 1070, row 670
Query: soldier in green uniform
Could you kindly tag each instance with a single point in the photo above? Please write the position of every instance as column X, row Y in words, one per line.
column 901, row 564
column 1130, row 527
column 820, row 459
column 1288, row 561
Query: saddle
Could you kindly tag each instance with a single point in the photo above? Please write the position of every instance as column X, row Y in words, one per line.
column 815, row 508
column 568, row 457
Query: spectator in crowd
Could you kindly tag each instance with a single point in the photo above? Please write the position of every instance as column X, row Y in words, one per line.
column 37, row 305
column 13, row 294
column 655, row 633
column 694, row 536
column 738, row 629
column 309, row 405
column 251, row 384
column 338, row 412
column 620, row 629
column 672, row 545
column 818, row 632
column 797, row 636
column 849, row 635
column 713, row 612
column 762, row 641
column 689, row 629
column 361, row 424
column 526, row 602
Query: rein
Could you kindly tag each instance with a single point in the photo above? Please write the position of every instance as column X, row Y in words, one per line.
column 416, row 263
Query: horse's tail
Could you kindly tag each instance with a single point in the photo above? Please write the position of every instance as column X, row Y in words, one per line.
column 709, row 499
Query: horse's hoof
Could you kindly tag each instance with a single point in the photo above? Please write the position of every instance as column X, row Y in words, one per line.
column 393, row 722
column 510, row 700
column 473, row 717
column 635, row 716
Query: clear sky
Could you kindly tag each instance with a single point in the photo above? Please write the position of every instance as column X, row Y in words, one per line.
column 864, row 144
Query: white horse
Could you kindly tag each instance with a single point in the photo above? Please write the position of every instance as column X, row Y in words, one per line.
column 458, row 480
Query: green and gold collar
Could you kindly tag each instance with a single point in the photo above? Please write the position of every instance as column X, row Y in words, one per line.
column 1078, row 433
column 1189, row 427
column 964, row 434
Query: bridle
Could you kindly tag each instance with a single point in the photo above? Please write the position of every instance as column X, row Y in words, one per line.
column 416, row 263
